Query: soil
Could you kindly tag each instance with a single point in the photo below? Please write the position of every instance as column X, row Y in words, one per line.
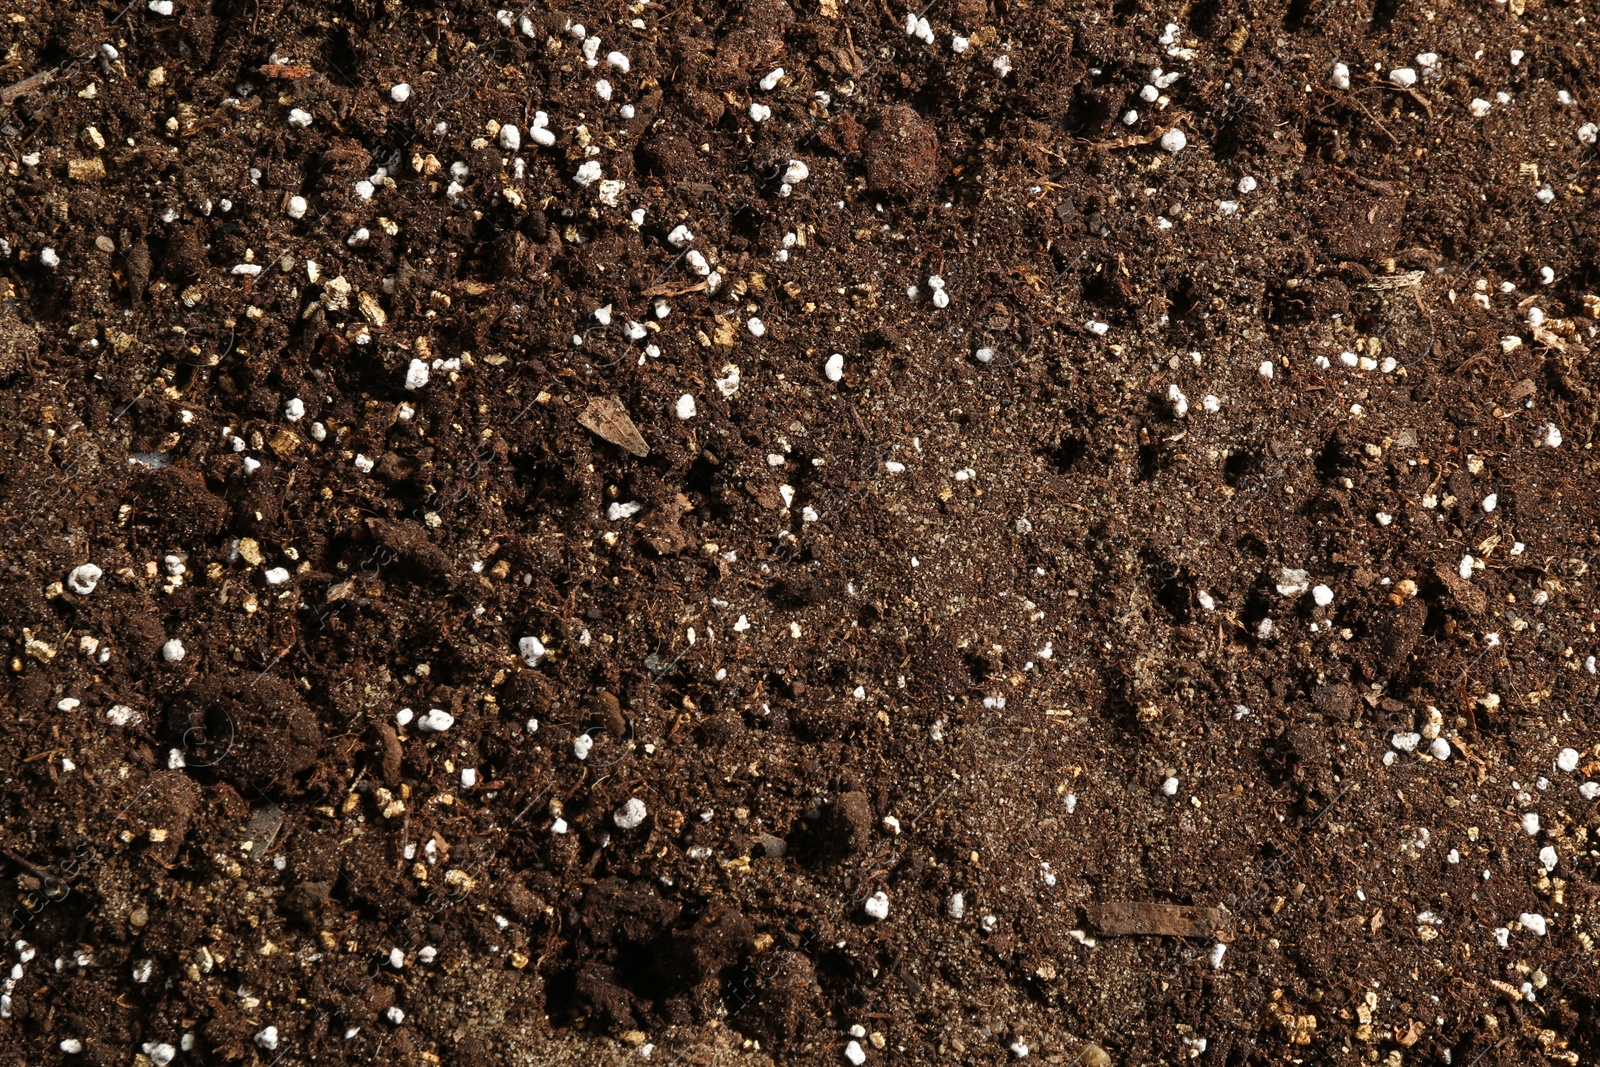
column 1009, row 607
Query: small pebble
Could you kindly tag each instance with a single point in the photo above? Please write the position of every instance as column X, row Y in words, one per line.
column 630, row 815
column 416, row 374
column 532, row 651
column 539, row 130
column 623, row 510
column 83, row 578
column 437, row 721
column 400, row 93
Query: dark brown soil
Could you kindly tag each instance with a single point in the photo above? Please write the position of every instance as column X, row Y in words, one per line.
column 1000, row 611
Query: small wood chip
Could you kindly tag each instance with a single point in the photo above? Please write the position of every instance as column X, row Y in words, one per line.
column 1411, row 279
column 286, row 71
column 608, row 419
column 674, row 290
column 1131, row 919
column 1135, row 141
column 86, row 170
column 262, row 829
column 391, row 753
column 26, row 85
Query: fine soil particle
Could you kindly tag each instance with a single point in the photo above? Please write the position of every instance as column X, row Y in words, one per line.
column 538, row 536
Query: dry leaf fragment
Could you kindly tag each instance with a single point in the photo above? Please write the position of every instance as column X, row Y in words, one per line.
column 608, row 419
